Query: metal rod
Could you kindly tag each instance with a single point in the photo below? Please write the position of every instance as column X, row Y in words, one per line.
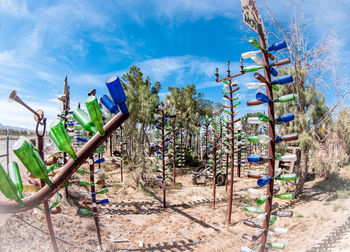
column 174, row 148
column 214, row 165
column 66, row 171
column 239, row 155
column 163, row 161
column 232, row 154
column 271, row 114
column 93, row 199
column 40, row 144
column 121, row 151
column 7, row 152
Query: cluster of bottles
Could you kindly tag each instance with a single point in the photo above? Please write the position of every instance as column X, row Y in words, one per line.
column 263, row 180
column 180, row 148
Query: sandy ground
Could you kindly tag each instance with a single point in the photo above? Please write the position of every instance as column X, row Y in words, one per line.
column 135, row 220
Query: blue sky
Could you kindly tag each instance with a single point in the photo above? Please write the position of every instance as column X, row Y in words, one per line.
column 174, row 42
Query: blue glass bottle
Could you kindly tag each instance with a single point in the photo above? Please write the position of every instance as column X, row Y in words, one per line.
column 283, row 80
column 109, row 104
column 277, row 46
column 117, row 92
column 285, row 118
column 263, row 181
column 273, row 72
column 262, row 97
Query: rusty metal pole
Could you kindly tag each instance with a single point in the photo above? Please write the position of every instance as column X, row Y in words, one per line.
column 40, row 145
column 232, row 127
column 182, row 152
column 214, row 165
column 121, row 151
column 206, row 142
column 226, row 172
column 174, row 148
column 271, row 114
column 93, row 198
column 232, row 121
column 239, row 155
column 163, row 161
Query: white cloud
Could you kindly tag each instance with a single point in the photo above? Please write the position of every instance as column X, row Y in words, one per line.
column 14, row 8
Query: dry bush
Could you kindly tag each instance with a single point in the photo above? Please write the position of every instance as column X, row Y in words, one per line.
column 330, row 156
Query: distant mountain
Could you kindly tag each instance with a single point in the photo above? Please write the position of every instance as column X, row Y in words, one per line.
column 12, row 127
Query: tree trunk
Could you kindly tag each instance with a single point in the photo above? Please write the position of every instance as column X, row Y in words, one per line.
column 302, row 171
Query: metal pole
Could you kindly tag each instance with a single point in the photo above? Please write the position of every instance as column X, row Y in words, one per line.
column 40, row 144
column 163, row 162
column 7, row 152
column 93, row 199
column 271, row 114
column 239, row 155
column 232, row 155
column 229, row 79
column 174, row 148
column 214, row 165
column 121, row 151
column 226, row 171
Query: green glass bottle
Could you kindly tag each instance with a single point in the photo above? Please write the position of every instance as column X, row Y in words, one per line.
column 276, row 245
column 286, row 196
column 275, row 87
column 8, row 188
column 253, row 209
column 16, row 177
column 262, row 200
column 253, row 139
column 84, row 120
column 254, row 42
column 252, row 68
column 272, row 220
column 82, row 171
column 102, row 191
column 95, row 113
column 31, row 159
column 85, row 211
column 62, row 137
column 285, row 98
column 99, row 150
column 55, row 141
column 264, row 118
column 287, row 177
column 82, row 182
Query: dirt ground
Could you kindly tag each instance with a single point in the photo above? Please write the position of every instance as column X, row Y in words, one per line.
column 135, row 220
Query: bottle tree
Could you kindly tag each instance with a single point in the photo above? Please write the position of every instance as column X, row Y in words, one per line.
column 214, row 153
column 163, row 123
column 265, row 96
column 231, row 104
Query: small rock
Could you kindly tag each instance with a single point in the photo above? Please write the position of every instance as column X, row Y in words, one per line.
column 140, row 244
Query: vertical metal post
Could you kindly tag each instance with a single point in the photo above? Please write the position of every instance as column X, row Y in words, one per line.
column 239, row 156
column 174, row 148
column 93, row 198
column 232, row 128
column 214, row 165
column 7, row 152
column 110, row 146
column 40, row 144
column 163, row 161
column 182, row 152
column 271, row 114
column 121, row 151
column 226, row 171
